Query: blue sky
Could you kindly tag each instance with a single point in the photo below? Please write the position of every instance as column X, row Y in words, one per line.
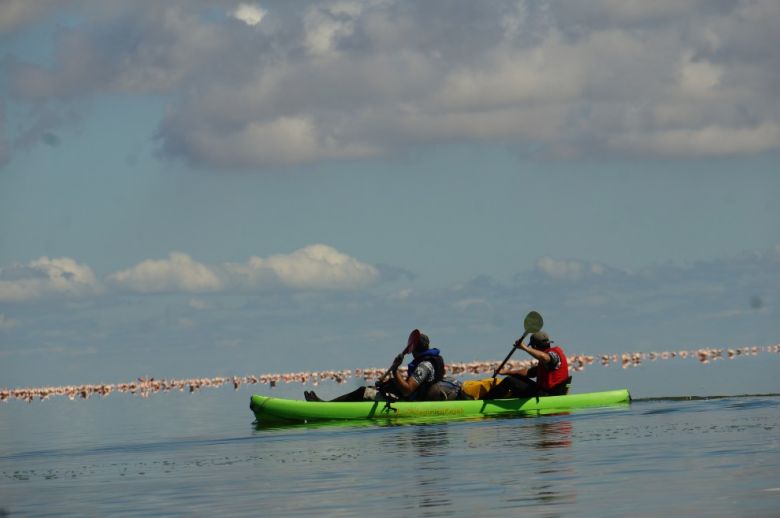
column 207, row 188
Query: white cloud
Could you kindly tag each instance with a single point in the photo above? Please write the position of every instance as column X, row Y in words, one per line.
column 47, row 277
column 249, row 14
column 177, row 273
column 699, row 77
column 325, row 23
column 313, row 267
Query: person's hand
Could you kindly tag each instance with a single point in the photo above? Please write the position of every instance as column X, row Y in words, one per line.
column 519, row 344
column 397, row 362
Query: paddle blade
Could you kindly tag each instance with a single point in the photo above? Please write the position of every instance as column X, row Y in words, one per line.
column 414, row 339
column 533, row 322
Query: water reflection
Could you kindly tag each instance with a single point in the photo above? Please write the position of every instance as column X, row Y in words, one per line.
column 546, row 485
column 429, row 469
column 553, row 434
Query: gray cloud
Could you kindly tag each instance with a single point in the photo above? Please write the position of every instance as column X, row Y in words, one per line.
column 303, row 82
column 635, row 14
column 46, row 277
column 43, row 126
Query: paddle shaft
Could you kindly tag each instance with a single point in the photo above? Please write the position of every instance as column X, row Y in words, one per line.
column 387, row 372
column 508, row 356
column 414, row 337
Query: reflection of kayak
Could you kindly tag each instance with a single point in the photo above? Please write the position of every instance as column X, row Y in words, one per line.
column 271, row 409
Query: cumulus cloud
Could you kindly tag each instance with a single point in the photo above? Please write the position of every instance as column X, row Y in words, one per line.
column 313, row 267
column 326, row 24
column 282, row 141
column 309, row 81
column 249, row 14
column 176, row 273
column 46, row 277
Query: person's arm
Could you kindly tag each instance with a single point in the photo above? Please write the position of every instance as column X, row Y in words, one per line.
column 539, row 355
column 422, row 373
column 406, row 385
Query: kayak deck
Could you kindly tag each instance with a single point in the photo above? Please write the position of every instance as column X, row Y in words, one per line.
column 270, row 409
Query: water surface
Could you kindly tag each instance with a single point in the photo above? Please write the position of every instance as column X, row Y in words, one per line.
column 180, row 455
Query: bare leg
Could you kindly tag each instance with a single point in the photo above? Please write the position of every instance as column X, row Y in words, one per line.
column 355, row 395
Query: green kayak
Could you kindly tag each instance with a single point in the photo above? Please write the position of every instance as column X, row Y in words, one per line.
column 274, row 410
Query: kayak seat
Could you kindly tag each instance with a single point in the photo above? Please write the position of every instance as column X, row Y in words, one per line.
column 562, row 388
column 566, row 385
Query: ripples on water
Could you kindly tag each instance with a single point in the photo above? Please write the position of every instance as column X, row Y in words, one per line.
column 705, row 457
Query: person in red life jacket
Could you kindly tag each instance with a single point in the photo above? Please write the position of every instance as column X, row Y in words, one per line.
column 551, row 373
column 423, row 381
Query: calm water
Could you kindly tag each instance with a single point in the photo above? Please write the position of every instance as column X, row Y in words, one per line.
column 201, row 455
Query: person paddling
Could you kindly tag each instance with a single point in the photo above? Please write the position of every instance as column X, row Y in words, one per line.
column 551, row 373
column 423, row 381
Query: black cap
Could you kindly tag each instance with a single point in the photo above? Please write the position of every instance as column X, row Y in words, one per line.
column 540, row 338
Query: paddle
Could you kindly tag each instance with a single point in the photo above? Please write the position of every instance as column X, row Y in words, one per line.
column 533, row 323
column 414, row 337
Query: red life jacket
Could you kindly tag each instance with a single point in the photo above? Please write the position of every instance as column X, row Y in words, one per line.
column 547, row 379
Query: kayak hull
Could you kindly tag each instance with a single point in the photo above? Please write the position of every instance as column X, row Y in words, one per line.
column 270, row 409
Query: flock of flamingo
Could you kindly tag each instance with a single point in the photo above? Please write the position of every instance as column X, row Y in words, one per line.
column 147, row 386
